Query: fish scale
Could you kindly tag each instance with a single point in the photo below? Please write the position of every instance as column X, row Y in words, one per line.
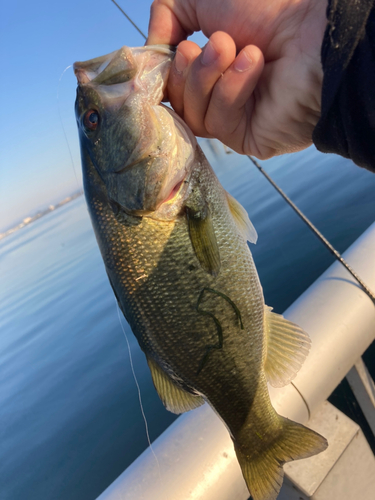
column 164, row 318
column 162, row 251
column 175, row 250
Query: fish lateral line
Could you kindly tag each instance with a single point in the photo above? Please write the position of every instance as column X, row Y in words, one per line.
column 220, row 343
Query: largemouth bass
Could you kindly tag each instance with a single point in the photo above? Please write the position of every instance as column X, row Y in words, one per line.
column 174, row 244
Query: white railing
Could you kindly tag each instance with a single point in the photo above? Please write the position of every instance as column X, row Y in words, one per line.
column 195, row 457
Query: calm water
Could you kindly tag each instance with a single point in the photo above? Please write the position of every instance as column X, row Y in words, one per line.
column 70, row 420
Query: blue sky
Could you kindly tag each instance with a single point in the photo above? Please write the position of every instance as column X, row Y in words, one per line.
column 38, row 40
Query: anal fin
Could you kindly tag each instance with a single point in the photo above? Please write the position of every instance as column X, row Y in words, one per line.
column 287, row 348
column 175, row 399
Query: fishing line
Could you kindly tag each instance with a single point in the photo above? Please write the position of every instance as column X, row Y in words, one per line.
column 62, row 125
column 325, row 242
column 119, row 317
column 128, row 18
column 303, row 399
column 139, row 393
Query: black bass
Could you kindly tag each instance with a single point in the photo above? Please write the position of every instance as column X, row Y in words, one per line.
column 174, row 244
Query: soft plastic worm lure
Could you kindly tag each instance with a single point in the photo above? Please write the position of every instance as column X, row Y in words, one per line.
column 219, row 345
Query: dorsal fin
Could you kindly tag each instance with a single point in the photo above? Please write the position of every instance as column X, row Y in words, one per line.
column 287, row 348
column 173, row 397
column 241, row 218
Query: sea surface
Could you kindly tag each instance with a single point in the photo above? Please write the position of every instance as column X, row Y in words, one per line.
column 70, row 418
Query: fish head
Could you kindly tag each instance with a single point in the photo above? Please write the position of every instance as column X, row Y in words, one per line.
column 141, row 150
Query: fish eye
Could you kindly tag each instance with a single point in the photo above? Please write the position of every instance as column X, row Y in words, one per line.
column 91, row 119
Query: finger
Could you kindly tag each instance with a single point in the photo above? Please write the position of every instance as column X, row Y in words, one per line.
column 202, row 76
column 165, row 26
column 186, row 54
column 232, row 101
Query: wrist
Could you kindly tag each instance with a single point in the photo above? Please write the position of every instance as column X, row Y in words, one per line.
column 312, row 29
column 305, row 50
column 312, row 33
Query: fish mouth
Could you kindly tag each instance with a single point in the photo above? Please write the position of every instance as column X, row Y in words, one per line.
column 120, row 66
column 148, row 168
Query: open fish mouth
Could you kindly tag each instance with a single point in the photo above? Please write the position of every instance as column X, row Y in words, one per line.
column 141, row 149
column 119, row 66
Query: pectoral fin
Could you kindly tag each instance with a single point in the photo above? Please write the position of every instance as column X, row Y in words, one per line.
column 287, row 348
column 241, row 219
column 203, row 239
column 173, row 397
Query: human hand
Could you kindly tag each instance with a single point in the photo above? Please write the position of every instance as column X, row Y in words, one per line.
column 257, row 83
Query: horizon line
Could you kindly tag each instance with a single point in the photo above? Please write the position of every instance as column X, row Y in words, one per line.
column 30, row 219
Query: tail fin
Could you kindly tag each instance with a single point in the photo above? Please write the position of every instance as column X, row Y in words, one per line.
column 263, row 469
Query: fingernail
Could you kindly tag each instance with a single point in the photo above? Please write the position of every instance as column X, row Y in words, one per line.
column 209, row 54
column 243, row 62
column 180, row 62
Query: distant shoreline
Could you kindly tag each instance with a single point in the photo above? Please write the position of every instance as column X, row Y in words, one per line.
column 28, row 220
